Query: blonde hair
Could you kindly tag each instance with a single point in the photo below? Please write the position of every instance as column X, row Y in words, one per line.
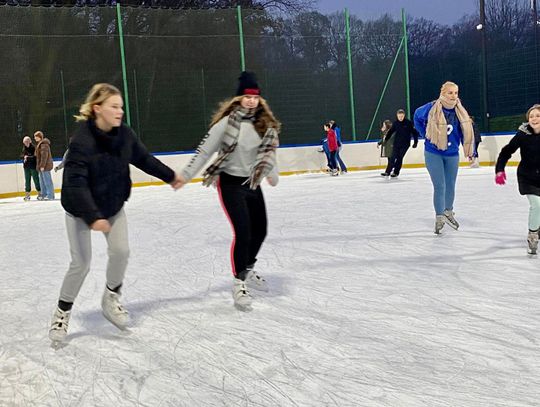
column 448, row 84
column 38, row 134
column 264, row 117
column 99, row 93
column 534, row 107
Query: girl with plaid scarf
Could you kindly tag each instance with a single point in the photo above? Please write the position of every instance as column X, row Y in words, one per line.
column 244, row 133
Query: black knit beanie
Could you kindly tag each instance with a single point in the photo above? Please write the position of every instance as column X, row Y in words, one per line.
column 247, row 84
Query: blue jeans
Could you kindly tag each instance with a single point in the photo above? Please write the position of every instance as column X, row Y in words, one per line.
column 47, row 187
column 443, row 172
column 342, row 165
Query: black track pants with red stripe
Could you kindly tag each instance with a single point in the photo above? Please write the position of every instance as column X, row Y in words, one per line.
column 246, row 211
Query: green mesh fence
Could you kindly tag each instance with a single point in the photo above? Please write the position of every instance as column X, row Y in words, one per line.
column 181, row 63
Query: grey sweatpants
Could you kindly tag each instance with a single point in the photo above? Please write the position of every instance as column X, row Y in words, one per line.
column 80, row 246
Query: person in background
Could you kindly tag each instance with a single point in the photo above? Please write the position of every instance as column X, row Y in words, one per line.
column 445, row 124
column 339, row 161
column 29, row 165
column 475, row 162
column 387, row 146
column 403, row 129
column 96, row 184
column 63, row 162
column 332, row 148
column 244, row 132
column 44, row 165
column 527, row 140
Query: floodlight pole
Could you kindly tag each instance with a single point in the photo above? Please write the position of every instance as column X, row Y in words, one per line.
column 123, row 56
column 349, row 61
column 241, row 35
column 406, row 57
column 535, row 21
column 482, row 28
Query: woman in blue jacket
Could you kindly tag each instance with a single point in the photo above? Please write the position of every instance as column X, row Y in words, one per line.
column 445, row 124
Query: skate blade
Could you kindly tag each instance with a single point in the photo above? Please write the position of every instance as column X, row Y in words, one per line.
column 57, row 345
column 243, row 308
column 119, row 326
column 451, row 225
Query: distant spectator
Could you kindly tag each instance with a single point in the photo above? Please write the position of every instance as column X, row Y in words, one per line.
column 337, row 129
column 44, row 164
column 29, row 164
column 387, row 146
column 475, row 161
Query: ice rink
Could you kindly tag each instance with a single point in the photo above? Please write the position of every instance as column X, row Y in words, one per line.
column 367, row 306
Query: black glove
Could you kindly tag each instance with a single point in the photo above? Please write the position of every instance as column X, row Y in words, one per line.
column 415, row 145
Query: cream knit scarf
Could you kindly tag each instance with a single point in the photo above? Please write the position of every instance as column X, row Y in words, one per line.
column 436, row 131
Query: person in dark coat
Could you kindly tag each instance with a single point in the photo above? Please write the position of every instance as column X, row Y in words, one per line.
column 387, row 146
column 527, row 140
column 29, row 165
column 96, row 184
column 403, row 129
column 475, row 159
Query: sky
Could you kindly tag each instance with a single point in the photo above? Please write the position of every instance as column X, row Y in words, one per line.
column 441, row 11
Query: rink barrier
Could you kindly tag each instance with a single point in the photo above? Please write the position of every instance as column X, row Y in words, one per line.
column 292, row 160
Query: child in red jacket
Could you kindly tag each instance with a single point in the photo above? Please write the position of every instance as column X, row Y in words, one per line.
column 332, row 147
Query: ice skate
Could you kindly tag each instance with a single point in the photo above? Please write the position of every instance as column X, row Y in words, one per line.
column 384, row 174
column 393, row 175
column 439, row 223
column 242, row 299
column 475, row 163
column 59, row 327
column 113, row 310
column 255, row 281
column 27, row 196
column 532, row 241
column 335, row 173
column 449, row 218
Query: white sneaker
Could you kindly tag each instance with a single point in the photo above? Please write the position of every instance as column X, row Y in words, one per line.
column 532, row 241
column 255, row 281
column 59, row 325
column 449, row 218
column 113, row 310
column 242, row 299
column 439, row 223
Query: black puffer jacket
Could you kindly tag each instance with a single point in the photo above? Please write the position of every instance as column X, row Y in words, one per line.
column 96, row 180
column 528, row 171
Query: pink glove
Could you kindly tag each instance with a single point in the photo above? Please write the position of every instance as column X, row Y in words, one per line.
column 500, row 178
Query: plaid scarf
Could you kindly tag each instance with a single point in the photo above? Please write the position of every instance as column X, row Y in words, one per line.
column 436, row 131
column 264, row 162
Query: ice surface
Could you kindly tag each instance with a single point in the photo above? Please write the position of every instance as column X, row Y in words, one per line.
column 367, row 307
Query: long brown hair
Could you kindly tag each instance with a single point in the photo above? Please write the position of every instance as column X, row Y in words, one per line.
column 99, row 93
column 264, row 117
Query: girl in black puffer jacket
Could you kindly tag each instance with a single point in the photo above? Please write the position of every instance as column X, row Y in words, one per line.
column 527, row 139
column 96, row 183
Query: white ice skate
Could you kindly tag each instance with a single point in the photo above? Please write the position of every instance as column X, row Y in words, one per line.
column 59, row 326
column 255, row 281
column 113, row 310
column 439, row 223
column 242, row 299
column 449, row 218
column 27, row 196
column 532, row 241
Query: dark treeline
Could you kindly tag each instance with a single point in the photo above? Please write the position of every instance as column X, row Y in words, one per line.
column 180, row 63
